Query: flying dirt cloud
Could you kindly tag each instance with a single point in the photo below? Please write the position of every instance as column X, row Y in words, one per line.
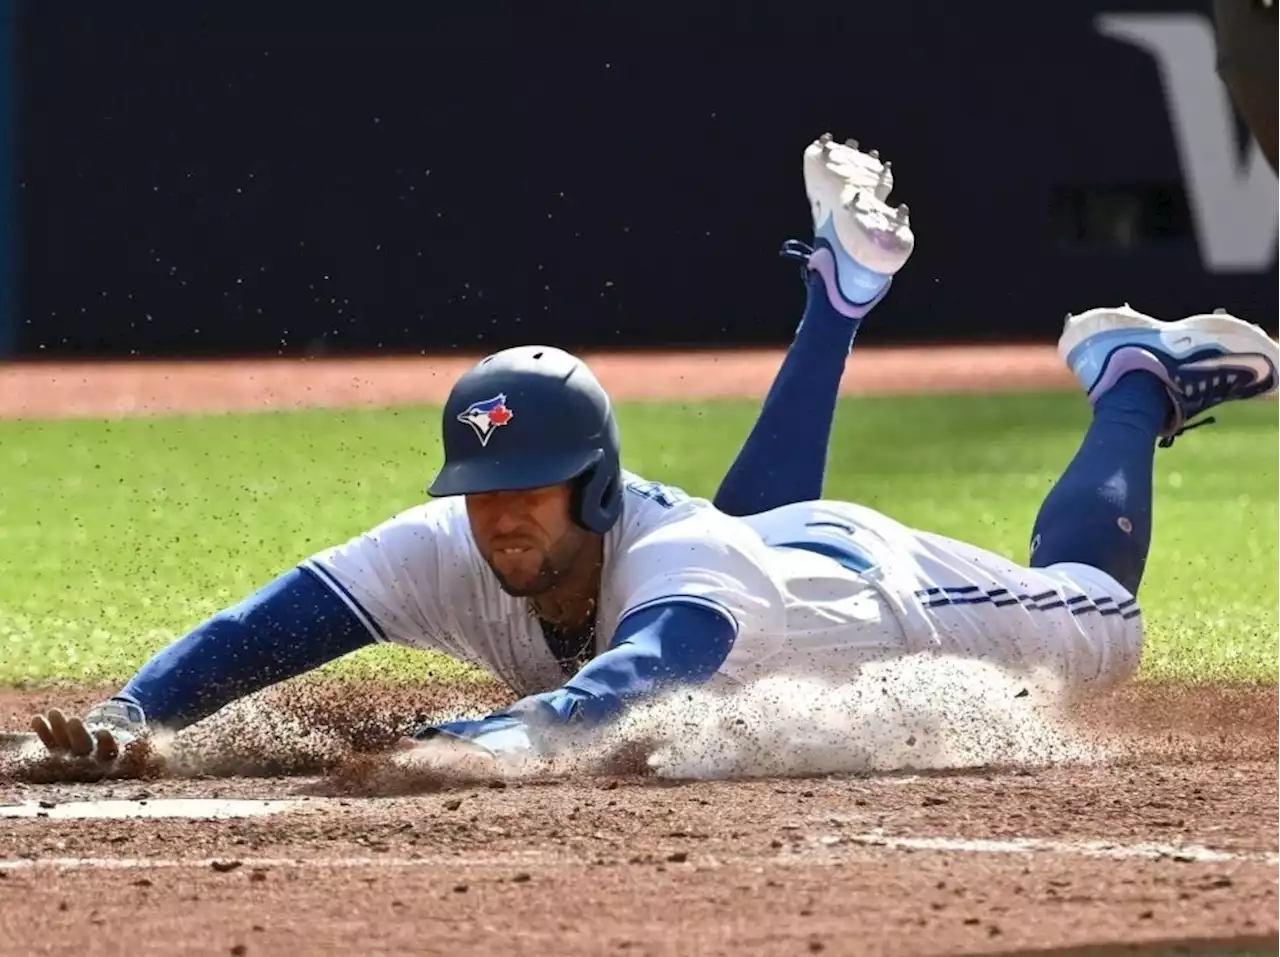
column 913, row 713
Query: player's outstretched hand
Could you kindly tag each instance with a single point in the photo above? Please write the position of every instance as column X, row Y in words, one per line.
column 102, row 734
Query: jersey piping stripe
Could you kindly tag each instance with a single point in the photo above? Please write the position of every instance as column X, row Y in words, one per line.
column 1002, row 597
column 326, row 577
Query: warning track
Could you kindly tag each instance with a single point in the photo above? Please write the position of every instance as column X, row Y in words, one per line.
column 55, row 390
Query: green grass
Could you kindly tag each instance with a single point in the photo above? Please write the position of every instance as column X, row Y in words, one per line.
column 116, row 536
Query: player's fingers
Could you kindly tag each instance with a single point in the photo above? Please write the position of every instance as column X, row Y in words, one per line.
column 107, row 749
column 58, row 728
column 79, row 738
column 40, row 725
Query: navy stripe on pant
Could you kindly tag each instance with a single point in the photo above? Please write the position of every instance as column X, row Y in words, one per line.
column 1002, row 597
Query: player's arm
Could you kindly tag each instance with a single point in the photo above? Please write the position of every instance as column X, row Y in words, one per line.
column 691, row 601
column 675, row 641
column 334, row 603
column 679, row 641
column 291, row 626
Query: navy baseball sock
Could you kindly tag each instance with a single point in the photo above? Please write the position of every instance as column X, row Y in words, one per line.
column 1099, row 512
column 785, row 455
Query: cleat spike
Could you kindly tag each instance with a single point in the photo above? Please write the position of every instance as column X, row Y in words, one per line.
column 851, row 143
column 825, row 138
column 874, row 154
column 904, row 210
column 888, row 165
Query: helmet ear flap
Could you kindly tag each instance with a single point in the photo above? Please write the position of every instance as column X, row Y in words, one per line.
column 597, row 497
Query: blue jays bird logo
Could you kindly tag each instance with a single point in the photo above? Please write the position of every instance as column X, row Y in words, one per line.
column 486, row 416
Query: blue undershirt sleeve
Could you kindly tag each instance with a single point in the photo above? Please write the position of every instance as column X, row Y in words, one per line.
column 664, row 644
column 291, row 626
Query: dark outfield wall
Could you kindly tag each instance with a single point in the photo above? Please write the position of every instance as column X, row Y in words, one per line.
column 217, row 178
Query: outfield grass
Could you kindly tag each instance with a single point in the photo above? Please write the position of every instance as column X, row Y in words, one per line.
column 116, row 536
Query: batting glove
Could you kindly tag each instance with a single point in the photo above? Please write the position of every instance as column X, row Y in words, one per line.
column 102, row 734
column 499, row 736
column 533, row 727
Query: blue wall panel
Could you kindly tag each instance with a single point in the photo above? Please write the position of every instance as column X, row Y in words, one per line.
column 8, row 177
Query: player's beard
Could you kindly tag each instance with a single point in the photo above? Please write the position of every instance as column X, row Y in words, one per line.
column 543, row 580
column 557, row 562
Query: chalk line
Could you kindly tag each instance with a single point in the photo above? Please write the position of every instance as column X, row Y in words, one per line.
column 1187, row 853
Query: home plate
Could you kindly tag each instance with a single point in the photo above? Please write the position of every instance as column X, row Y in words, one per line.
column 189, row 809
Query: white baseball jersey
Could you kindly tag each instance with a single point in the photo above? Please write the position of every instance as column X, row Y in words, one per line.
column 816, row 587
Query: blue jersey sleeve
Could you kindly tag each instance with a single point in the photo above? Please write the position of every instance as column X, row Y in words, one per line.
column 291, row 626
column 662, row 645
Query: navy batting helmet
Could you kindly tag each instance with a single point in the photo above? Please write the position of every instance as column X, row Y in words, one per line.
column 529, row 417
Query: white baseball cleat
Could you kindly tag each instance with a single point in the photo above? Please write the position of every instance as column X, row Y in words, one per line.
column 1203, row 360
column 858, row 170
column 860, row 241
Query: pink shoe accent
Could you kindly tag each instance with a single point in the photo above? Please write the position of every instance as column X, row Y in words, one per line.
column 1128, row 359
column 823, row 262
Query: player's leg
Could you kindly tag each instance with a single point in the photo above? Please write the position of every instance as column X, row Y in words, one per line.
column 1146, row 379
column 1073, row 612
column 784, row 456
column 860, row 243
column 1099, row 512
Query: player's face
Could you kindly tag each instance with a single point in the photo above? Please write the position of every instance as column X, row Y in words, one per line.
column 527, row 537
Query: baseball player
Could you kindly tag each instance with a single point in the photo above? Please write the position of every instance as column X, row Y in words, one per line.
column 587, row 588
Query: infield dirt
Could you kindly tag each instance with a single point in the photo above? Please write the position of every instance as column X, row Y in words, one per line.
column 1171, row 837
